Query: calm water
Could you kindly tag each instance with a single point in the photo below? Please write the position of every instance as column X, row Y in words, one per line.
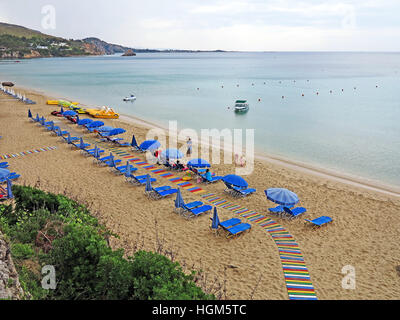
column 354, row 131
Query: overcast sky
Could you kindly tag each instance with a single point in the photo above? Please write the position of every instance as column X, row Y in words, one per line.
column 243, row 25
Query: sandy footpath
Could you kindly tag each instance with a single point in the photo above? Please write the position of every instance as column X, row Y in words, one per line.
column 365, row 232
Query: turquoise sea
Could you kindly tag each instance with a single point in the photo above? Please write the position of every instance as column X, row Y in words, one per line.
column 354, row 131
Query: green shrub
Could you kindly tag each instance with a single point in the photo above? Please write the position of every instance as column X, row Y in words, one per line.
column 22, row 251
column 157, row 277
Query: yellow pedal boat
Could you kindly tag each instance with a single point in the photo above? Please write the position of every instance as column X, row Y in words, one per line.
column 104, row 113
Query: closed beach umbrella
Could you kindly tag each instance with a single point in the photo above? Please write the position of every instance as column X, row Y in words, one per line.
column 282, row 196
column 62, row 110
column 115, row 132
column 77, row 119
column 235, row 180
column 37, row 119
column 81, row 144
column 4, row 173
column 69, row 141
column 199, row 163
column 172, row 154
column 42, row 120
column 149, row 188
column 150, row 145
column 69, row 113
column 179, row 203
column 128, row 170
column 29, row 113
column 215, row 220
column 96, row 153
column 134, row 143
column 9, row 190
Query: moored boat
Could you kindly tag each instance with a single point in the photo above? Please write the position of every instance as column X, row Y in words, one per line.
column 241, row 106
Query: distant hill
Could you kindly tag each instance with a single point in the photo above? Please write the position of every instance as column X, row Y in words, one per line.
column 17, row 42
column 19, row 31
column 107, row 48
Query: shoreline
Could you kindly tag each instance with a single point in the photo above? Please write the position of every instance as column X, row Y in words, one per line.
column 304, row 168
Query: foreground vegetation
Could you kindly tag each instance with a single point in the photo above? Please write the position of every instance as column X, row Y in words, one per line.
column 48, row 229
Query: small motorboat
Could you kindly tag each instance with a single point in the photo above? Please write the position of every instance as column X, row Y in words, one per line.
column 131, row 98
column 241, row 106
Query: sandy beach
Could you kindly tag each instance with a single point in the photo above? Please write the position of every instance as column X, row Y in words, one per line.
column 364, row 233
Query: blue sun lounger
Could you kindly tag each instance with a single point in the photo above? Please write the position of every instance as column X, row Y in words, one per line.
column 122, row 169
column 138, row 180
column 318, row 222
column 111, row 163
column 237, row 230
column 11, row 176
column 229, row 223
column 195, row 212
column 163, row 193
column 90, row 152
column 212, row 180
column 291, row 214
column 192, row 205
column 4, row 165
column 237, row 192
column 279, row 209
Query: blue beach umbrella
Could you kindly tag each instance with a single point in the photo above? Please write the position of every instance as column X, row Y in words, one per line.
column 42, row 120
column 179, row 203
column 69, row 113
column 29, row 113
column 150, row 145
column 199, row 163
column 105, row 129
column 83, row 122
column 215, row 220
column 115, row 132
column 235, row 180
column 282, row 196
column 77, row 118
column 4, row 173
column 9, row 190
column 172, row 154
column 37, row 119
column 149, row 188
column 96, row 124
column 62, row 110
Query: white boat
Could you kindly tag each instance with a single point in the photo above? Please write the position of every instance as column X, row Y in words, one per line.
column 131, row 98
column 241, row 106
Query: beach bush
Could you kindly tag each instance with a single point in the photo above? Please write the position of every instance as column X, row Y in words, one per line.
column 22, row 251
column 49, row 229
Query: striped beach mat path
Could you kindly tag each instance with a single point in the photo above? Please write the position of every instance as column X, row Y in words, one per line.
column 296, row 275
column 25, row 153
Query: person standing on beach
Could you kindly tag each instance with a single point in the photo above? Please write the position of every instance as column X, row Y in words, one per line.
column 189, row 147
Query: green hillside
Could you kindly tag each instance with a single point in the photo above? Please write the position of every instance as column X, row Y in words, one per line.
column 19, row 31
